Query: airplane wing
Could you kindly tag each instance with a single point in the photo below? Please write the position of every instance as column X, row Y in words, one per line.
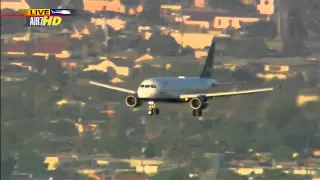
column 231, row 93
column 112, row 87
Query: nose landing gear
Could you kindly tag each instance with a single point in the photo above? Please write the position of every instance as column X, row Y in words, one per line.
column 152, row 109
column 197, row 112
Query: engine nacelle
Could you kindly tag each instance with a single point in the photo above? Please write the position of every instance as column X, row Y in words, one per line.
column 132, row 101
column 198, row 102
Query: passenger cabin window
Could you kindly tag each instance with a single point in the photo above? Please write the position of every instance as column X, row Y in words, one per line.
column 147, row 86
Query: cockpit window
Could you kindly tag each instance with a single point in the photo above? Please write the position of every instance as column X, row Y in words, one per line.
column 142, row 86
column 153, row 86
column 147, row 86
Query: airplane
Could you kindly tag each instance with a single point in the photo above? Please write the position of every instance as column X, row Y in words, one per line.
column 61, row 11
column 192, row 90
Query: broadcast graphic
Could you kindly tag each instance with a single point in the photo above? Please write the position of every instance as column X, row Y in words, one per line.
column 46, row 17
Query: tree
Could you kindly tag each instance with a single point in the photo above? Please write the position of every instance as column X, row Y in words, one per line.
column 142, row 46
column 89, row 143
column 41, row 4
column 149, row 151
column 55, row 73
column 282, row 153
column 293, row 32
column 178, row 153
column 12, row 25
column 191, row 127
column 261, row 142
column 228, row 174
column 7, row 167
column 278, row 174
column 163, row 45
column 266, row 29
column 29, row 48
column 199, row 164
column 231, row 5
column 31, row 162
column 174, row 174
column 151, row 12
column 63, row 128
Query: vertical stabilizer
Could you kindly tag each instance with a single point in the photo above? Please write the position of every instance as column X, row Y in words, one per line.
column 207, row 71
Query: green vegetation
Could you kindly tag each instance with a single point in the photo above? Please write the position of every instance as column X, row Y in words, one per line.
column 277, row 174
column 227, row 174
column 174, row 174
column 279, row 128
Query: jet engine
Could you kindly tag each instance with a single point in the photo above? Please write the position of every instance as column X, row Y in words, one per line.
column 132, row 101
column 198, row 102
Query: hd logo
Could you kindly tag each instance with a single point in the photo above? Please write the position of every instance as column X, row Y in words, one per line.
column 45, row 21
column 46, row 17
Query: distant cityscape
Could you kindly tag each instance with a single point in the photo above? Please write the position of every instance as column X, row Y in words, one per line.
column 55, row 125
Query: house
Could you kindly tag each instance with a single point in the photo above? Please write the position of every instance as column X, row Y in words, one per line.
column 98, row 5
column 208, row 19
column 22, row 64
column 308, row 95
column 149, row 59
column 131, row 7
column 120, row 66
column 116, row 23
column 14, row 4
column 57, row 47
column 200, row 3
column 266, row 7
column 82, row 27
column 14, row 73
column 187, row 39
column 70, row 64
column 147, row 166
column 170, row 10
column 247, row 171
column 21, row 176
column 67, row 101
column 131, row 176
column 40, row 47
column 285, row 67
column 164, row 62
column 117, row 80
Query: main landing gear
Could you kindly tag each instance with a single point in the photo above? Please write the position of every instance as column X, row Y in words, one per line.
column 197, row 112
column 152, row 109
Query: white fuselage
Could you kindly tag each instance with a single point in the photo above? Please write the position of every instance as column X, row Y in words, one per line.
column 173, row 87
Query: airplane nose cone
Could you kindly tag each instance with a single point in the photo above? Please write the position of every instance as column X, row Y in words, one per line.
column 146, row 93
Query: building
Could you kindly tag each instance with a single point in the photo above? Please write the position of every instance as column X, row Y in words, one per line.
column 308, row 95
column 40, row 47
column 14, row 4
column 120, row 66
column 81, row 28
column 213, row 19
column 13, row 72
column 131, row 7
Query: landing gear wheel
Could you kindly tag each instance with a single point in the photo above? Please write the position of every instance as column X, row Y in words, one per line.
column 150, row 112
column 199, row 112
column 153, row 110
column 194, row 112
column 156, row 111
